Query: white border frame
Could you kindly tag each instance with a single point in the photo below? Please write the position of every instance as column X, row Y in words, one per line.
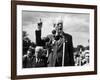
column 48, row 70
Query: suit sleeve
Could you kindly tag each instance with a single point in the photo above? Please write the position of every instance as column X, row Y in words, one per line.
column 38, row 37
column 39, row 41
column 71, row 55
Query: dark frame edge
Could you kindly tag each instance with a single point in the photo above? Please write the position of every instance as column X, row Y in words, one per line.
column 55, row 75
column 95, row 39
column 13, row 40
column 50, row 4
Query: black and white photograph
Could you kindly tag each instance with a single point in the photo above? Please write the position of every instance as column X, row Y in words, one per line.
column 55, row 39
column 52, row 40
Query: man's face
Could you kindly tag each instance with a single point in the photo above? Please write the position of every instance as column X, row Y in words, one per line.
column 38, row 52
column 87, row 57
column 29, row 53
column 59, row 29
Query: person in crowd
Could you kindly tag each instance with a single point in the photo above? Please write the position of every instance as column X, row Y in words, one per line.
column 60, row 46
column 85, row 60
column 26, row 44
column 39, row 58
column 28, row 59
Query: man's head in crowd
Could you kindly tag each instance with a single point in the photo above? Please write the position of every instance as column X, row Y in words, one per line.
column 38, row 51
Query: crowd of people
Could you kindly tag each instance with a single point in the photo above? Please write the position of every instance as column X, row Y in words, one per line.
column 53, row 50
column 82, row 57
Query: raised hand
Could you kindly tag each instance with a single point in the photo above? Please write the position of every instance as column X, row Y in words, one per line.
column 39, row 27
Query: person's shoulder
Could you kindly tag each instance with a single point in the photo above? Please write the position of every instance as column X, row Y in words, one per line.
column 68, row 35
column 24, row 57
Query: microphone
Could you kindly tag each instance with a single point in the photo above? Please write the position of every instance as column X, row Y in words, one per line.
column 53, row 32
column 56, row 37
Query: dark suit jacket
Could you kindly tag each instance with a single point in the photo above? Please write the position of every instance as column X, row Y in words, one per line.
column 55, row 57
column 41, row 63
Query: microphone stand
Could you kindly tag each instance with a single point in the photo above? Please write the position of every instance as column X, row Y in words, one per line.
column 63, row 53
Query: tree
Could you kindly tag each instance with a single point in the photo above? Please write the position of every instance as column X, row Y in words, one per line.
column 26, row 42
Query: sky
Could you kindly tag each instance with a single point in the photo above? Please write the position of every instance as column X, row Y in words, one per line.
column 75, row 24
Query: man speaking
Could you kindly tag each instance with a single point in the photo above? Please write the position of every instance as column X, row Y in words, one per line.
column 61, row 46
